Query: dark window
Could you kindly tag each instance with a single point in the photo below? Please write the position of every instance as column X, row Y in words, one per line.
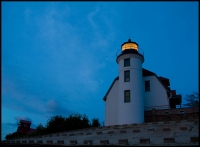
column 166, row 112
column 25, row 125
column 147, row 85
column 126, row 96
column 127, row 76
column 126, row 62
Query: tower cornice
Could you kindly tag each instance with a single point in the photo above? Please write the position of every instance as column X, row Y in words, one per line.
column 128, row 55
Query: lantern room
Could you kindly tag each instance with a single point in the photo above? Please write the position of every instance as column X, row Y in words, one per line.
column 129, row 45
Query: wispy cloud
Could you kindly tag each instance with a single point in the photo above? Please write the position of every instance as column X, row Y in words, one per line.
column 9, row 88
column 91, row 18
column 14, row 125
column 63, row 68
column 18, row 118
column 27, row 15
column 102, row 26
column 21, row 102
column 56, row 108
column 86, row 69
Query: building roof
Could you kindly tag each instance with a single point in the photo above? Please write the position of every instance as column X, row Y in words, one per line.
column 162, row 80
column 145, row 72
column 165, row 81
column 105, row 97
column 129, row 41
column 25, row 121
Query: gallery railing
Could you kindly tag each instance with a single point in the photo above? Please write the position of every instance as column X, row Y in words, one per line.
column 140, row 51
column 167, row 107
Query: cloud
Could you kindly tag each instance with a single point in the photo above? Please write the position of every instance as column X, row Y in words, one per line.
column 101, row 81
column 17, row 99
column 55, row 108
column 12, row 124
column 91, row 18
column 27, row 15
column 53, row 28
column 103, row 28
column 9, row 88
column 86, row 70
column 18, row 118
column 87, row 76
column 52, row 104
column 63, row 68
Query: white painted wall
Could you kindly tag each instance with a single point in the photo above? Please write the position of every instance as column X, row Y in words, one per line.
column 111, row 114
column 118, row 112
column 157, row 95
column 132, row 112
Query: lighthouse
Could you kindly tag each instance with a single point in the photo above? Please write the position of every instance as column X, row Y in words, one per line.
column 131, row 85
column 136, row 90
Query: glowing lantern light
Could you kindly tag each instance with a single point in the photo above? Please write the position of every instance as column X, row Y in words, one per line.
column 129, row 45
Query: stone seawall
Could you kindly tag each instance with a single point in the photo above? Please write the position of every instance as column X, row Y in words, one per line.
column 171, row 114
column 161, row 133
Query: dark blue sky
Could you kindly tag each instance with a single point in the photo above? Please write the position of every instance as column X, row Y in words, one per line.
column 59, row 58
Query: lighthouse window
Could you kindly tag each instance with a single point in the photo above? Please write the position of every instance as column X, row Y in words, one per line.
column 147, row 85
column 126, row 96
column 126, row 62
column 127, row 76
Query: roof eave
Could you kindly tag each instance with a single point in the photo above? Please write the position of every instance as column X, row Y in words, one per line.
column 105, row 97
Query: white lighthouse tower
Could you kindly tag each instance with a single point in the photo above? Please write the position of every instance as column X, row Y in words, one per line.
column 131, row 89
